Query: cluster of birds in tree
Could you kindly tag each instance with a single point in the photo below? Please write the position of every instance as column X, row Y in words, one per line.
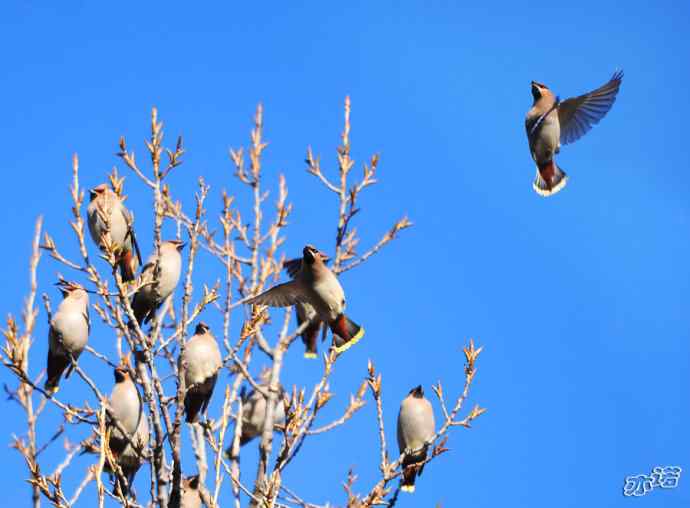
column 313, row 289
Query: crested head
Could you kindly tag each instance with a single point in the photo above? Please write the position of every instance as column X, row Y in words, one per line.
column 191, row 482
column 201, row 328
column 312, row 254
column 417, row 392
column 178, row 245
column 73, row 289
column 121, row 374
column 79, row 294
column 540, row 90
column 98, row 190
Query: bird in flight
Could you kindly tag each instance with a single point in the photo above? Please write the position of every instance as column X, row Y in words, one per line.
column 552, row 122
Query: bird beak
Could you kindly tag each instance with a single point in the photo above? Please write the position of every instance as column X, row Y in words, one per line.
column 181, row 245
column 308, row 254
column 64, row 288
column 92, row 194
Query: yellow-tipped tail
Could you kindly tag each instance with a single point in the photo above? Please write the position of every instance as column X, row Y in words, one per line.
column 310, row 356
column 407, row 488
column 51, row 390
column 354, row 340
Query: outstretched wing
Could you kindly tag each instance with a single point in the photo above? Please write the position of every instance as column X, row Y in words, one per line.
column 577, row 115
column 282, row 295
column 293, row 267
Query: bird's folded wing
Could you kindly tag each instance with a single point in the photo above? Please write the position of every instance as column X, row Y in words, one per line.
column 282, row 295
column 87, row 318
column 577, row 115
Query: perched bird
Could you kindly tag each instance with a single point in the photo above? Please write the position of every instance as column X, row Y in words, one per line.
column 551, row 122
column 126, row 406
column 306, row 311
column 203, row 360
column 415, row 429
column 316, row 285
column 254, row 414
column 153, row 292
column 191, row 497
column 68, row 333
column 107, row 214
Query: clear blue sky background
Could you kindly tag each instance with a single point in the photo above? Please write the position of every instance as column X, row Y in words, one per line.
column 580, row 301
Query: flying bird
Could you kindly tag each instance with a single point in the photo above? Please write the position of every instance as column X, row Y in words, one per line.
column 306, row 311
column 203, row 360
column 68, row 333
column 154, row 291
column 316, row 285
column 552, row 122
column 126, row 406
column 108, row 215
column 415, row 429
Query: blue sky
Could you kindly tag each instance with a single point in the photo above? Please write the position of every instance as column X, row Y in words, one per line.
column 580, row 301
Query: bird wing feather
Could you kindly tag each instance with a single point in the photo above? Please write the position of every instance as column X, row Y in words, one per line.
column 577, row 115
column 282, row 295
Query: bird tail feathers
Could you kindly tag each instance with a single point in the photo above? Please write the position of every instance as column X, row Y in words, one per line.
column 409, row 476
column 346, row 333
column 550, row 179
column 128, row 266
column 193, row 404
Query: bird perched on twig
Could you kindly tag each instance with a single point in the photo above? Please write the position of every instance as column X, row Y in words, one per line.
column 154, row 290
column 203, row 360
column 107, row 214
column 316, row 285
column 415, row 429
column 550, row 123
column 126, row 406
column 68, row 333
column 254, row 414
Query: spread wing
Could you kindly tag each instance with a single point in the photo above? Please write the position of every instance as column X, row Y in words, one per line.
column 282, row 295
column 293, row 267
column 577, row 115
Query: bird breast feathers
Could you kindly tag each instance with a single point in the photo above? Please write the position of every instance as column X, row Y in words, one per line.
column 72, row 327
column 203, row 360
column 126, row 406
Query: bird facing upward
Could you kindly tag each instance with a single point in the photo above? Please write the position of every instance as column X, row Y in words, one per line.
column 68, row 333
column 306, row 311
column 127, row 407
column 550, row 123
column 415, row 429
column 316, row 285
column 203, row 361
column 108, row 215
column 152, row 293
